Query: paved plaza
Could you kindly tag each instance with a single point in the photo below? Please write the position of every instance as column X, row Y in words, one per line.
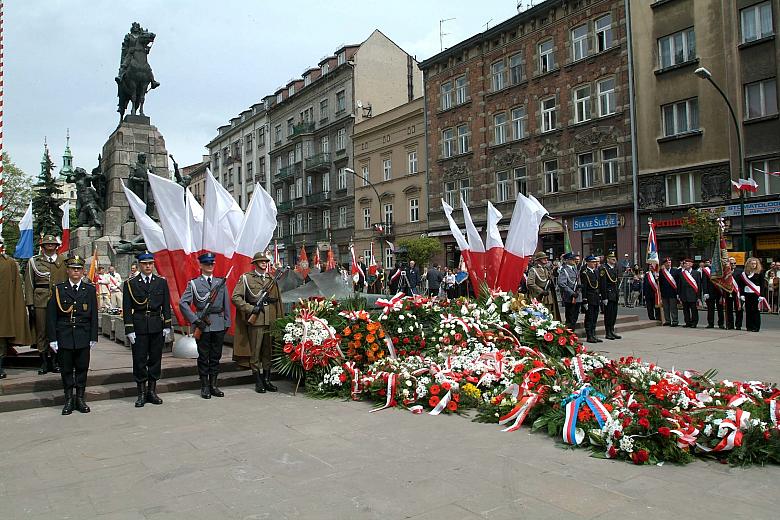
column 280, row 456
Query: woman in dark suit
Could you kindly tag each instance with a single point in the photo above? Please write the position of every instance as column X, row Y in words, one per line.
column 750, row 282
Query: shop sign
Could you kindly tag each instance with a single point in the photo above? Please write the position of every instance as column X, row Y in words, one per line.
column 670, row 222
column 603, row 221
column 768, row 242
column 739, row 256
column 753, row 208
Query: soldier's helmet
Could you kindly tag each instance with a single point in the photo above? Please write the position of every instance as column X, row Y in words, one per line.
column 50, row 240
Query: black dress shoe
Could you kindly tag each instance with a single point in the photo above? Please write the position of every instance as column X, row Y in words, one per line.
column 667, row 324
column 721, row 326
column 267, row 381
column 44, row 365
column 615, row 336
column 259, row 386
column 673, row 325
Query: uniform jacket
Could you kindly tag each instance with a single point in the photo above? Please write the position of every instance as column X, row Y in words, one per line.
column 667, row 291
column 539, row 279
column 248, row 290
column 40, row 279
column 609, row 282
column 14, row 323
column 684, row 289
column 71, row 316
column 146, row 309
column 707, row 287
column 589, row 281
column 197, row 295
column 568, row 283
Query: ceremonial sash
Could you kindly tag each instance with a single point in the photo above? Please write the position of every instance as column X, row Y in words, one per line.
column 706, row 270
column 654, row 285
column 669, row 278
column 753, row 287
column 736, row 293
column 691, row 281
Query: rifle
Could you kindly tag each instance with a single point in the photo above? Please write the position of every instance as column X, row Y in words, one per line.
column 202, row 320
column 264, row 298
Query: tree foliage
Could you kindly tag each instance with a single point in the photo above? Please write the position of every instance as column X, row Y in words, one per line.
column 17, row 191
column 421, row 249
column 46, row 201
column 703, row 225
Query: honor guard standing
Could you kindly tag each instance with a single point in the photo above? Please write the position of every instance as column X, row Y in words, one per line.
column 689, row 284
column 44, row 271
column 569, row 285
column 591, row 296
column 14, row 323
column 147, row 315
column 72, row 325
column 610, row 293
column 667, row 282
column 210, row 321
column 258, row 305
column 540, row 284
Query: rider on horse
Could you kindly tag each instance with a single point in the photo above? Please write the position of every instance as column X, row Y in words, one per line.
column 130, row 41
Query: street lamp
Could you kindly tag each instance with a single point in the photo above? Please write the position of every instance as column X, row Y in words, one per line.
column 703, row 73
column 384, row 226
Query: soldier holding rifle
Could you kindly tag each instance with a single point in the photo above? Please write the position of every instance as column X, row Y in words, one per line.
column 210, row 321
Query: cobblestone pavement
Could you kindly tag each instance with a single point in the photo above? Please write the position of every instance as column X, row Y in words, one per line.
column 280, row 456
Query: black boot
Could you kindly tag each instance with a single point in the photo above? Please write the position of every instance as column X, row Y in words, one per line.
column 81, row 405
column 44, row 364
column 205, row 391
column 2, row 370
column 615, row 336
column 267, row 381
column 259, row 385
column 54, row 361
column 151, row 392
column 139, row 403
column 68, row 408
column 215, row 391
column 609, row 334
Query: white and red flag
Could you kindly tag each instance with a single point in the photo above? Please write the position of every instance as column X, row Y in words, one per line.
column 521, row 241
column 475, row 275
column 65, row 241
column 372, row 267
column 745, row 185
column 494, row 245
column 194, row 222
column 316, row 262
column 222, row 221
column 475, row 256
column 357, row 270
column 330, row 263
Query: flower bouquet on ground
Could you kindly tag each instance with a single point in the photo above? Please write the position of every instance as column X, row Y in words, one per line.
column 537, row 329
column 403, row 329
column 363, row 337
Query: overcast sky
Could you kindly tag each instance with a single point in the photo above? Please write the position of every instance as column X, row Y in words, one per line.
column 214, row 59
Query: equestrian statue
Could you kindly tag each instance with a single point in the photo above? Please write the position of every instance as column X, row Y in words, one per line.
column 135, row 77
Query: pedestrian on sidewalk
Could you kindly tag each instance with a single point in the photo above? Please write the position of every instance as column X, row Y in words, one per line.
column 14, row 322
column 72, row 327
column 208, row 325
column 147, row 317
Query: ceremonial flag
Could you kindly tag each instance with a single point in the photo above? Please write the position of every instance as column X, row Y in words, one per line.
column 24, row 246
column 521, row 241
column 276, row 254
column 476, row 274
column 566, row 239
column 93, row 265
column 357, row 270
column 315, row 262
column 194, row 222
column 495, row 246
column 475, row 255
column 302, row 267
column 65, row 241
column 390, row 245
column 372, row 267
column 745, row 185
column 222, row 221
column 652, row 245
column 721, row 274
column 330, row 263
column 776, row 174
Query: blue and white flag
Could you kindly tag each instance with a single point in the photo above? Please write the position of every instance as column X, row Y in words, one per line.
column 24, row 247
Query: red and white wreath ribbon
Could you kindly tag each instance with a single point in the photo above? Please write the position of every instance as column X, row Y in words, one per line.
column 356, row 386
column 579, row 368
column 390, row 347
column 519, row 413
column 495, row 363
column 686, row 434
column 393, row 304
column 392, row 385
column 774, row 413
column 449, row 318
column 734, row 436
column 442, row 404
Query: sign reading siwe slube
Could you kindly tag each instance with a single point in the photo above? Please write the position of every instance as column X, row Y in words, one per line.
column 603, row 221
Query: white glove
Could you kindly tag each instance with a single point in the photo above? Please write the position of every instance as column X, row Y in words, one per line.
column 92, row 344
column 131, row 338
column 166, row 332
column 54, row 346
column 604, row 302
column 706, row 297
column 742, row 298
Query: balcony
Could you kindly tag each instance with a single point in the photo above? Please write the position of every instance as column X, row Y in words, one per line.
column 288, row 171
column 318, row 198
column 284, row 206
column 302, row 128
column 319, row 162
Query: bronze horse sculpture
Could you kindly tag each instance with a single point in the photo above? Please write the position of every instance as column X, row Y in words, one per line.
column 135, row 75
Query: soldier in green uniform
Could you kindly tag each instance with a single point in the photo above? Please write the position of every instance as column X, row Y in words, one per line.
column 608, row 287
column 258, row 305
column 44, row 271
column 72, row 327
column 14, row 324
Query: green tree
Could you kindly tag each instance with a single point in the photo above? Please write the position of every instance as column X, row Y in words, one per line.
column 421, row 249
column 17, row 191
column 703, row 225
column 46, row 200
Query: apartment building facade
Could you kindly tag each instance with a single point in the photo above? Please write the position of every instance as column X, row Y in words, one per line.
column 538, row 104
column 390, row 188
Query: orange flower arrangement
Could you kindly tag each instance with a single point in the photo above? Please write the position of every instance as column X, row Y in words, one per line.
column 364, row 338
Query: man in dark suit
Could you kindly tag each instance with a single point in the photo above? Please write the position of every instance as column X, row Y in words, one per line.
column 668, row 282
column 610, row 294
column 435, row 277
column 72, row 329
column 147, row 315
column 413, row 276
column 712, row 296
column 733, row 303
column 689, row 284
column 591, row 295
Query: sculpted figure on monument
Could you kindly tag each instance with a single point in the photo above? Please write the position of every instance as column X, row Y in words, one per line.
column 182, row 180
column 87, row 200
column 135, row 77
column 100, row 183
column 138, row 182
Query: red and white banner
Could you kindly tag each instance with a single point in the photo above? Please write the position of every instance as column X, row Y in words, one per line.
column 521, row 242
column 494, row 245
column 690, row 280
column 745, row 185
column 65, row 241
column 222, row 220
column 474, row 256
column 357, row 270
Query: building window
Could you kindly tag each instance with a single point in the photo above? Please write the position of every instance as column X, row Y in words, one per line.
column 261, row 136
column 604, row 36
column 465, row 190
column 366, row 218
column 299, row 218
column 548, row 114
column 607, row 103
column 342, row 58
column 551, row 176
column 342, row 179
column 582, row 104
column 342, row 216
column 546, row 57
column 324, row 69
column 326, row 219
column 388, row 258
column 341, row 101
column 503, row 186
column 280, row 229
column 298, row 188
column 291, row 90
column 290, row 157
column 585, row 169
column 309, row 185
column 681, row 117
column 298, row 152
column 449, row 193
column 464, row 139
column 461, row 90
column 326, row 182
column 516, row 69
column 290, row 127
column 248, row 140
column 261, row 168
column 364, row 172
column 323, row 110
column 249, row 172
column 499, row 128
column 579, row 42
column 307, row 80
column 387, row 169
column 756, row 22
column 324, row 145
column 279, row 97
column 411, row 162
column 498, row 79
column 309, row 222
column 683, row 188
column 414, row 210
column 307, row 115
column 521, row 180
column 448, row 142
column 761, row 98
column 446, row 95
column 676, row 48
column 278, row 165
column 609, row 165
column 291, row 192
column 278, row 134
column 519, row 123
column 279, row 195
column 341, row 139
column 388, row 211
column 767, row 176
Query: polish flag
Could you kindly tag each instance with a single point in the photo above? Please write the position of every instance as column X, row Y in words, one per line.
column 776, row 174
column 315, row 262
column 194, row 223
column 303, row 263
column 475, row 255
column 745, row 185
column 476, row 275
column 372, row 267
column 222, row 220
column 357, row 271
column 65, row 241
column 521, row 241
column 495, row 246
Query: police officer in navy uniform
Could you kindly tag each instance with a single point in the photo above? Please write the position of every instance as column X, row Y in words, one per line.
column 591, row 295
column 212, row 327
column 609, row 286
column 147, row 315
column 72, row 329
